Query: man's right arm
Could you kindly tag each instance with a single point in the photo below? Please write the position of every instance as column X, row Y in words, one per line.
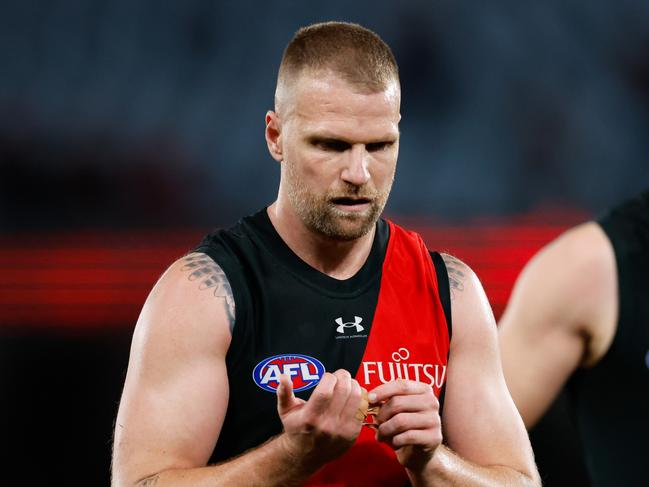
column 560, row 316
column 176, row 390
column 176, row 395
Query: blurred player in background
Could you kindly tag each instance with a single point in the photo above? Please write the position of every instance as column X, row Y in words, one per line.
column 579, row 312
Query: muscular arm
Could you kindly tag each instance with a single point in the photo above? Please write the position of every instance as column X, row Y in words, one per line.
column 176, row 395
column 486, row 441
column 561, row 315
column 485, row 437
column 176, row 390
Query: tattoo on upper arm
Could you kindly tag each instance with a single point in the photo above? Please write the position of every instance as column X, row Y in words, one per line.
column 456, row 270
column 211, row 276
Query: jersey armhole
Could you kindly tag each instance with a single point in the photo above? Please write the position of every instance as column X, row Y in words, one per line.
column 444, row 289
column 445, row 297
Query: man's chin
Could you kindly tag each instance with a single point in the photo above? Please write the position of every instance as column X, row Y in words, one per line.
column 347, row 228
column 354, row 216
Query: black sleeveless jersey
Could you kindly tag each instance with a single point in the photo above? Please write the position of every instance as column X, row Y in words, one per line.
column 388, row 321
column 611, row 399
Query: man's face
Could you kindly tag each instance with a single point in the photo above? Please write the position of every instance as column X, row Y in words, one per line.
column 340, row 152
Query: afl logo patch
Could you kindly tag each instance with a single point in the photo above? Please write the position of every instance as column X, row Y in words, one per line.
column 304, row 371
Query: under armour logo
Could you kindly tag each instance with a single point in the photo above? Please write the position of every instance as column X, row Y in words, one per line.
column 356, row 324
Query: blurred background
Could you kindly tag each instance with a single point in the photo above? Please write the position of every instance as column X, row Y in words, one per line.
column 128, row 129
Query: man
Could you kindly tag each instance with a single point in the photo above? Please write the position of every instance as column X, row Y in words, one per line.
column 226, row 382
column 580, row 309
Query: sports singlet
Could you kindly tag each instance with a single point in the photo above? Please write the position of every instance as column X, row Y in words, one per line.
column 611, row 399
column 385, row 322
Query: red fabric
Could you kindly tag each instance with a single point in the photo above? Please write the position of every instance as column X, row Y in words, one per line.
column 409, row 339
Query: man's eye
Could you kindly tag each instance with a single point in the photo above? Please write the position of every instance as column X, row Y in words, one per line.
column 332, row 145
column 377, row 146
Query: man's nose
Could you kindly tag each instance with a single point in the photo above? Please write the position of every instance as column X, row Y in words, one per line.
column 356, row 170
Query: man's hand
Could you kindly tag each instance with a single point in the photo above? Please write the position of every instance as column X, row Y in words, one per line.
column 324, row 427
column 408, row 421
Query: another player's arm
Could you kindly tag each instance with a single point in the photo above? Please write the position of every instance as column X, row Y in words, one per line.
column 486, row 440
column 176, row 390
column 561, row 315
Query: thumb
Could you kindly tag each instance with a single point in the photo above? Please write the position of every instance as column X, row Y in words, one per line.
column 285, row 398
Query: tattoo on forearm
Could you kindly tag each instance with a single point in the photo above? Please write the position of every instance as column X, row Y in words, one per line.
column 456, row 273
column 211, row 276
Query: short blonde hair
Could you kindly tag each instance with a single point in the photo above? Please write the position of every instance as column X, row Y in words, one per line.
column 348, row 50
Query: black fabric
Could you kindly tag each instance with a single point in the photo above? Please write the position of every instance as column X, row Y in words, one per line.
column 444, row 289
column 611, row 399
column 445, row 296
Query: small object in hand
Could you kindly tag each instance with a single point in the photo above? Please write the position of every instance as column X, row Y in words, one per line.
column 365, row 413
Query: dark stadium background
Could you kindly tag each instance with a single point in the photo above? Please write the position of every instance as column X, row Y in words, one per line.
column 129, row 129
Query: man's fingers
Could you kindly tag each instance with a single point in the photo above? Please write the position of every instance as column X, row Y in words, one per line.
column 322, row 394
column 407, row 421
column 341, row 392
column 363, row 405
column 285, row 397
column 423, row 438
column 399, row 387
column 354, row 401
column 408, row 404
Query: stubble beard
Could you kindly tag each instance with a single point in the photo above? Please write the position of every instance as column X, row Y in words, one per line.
column 320, row 215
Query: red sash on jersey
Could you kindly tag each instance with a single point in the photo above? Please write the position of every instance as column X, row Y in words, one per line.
column 408, row 339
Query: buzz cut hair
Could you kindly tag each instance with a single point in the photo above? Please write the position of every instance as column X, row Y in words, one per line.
column 356, row 54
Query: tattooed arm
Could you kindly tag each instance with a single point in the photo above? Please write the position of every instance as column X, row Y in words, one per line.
column 210, row 276
column 457, row 273
column 176, row 389
column 485, row 442
column 176, row 392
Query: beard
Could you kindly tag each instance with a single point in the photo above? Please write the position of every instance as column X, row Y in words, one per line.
column 321, row 215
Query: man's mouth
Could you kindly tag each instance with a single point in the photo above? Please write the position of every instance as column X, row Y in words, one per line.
column 347, row 201
column 351, row 205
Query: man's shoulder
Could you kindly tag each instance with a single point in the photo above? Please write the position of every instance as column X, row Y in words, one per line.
column 459, row 274
column 562, row 268
column 189, row 279
column 584, row 248
column 228, row 233
column 189, row 298
column 571, row 281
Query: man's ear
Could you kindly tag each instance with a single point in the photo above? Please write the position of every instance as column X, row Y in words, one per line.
column 274, row 135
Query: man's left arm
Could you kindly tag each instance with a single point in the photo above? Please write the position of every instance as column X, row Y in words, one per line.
column 484, row 439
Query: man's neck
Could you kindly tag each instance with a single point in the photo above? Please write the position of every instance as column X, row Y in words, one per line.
column 339, row 259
